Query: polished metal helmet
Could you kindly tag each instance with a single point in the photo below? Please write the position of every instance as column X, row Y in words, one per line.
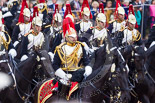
column 132, row 19
column 37, row 21
column 101, row 17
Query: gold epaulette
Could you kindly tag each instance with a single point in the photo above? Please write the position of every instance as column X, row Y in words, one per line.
column 122, row 29
column 92, row 27
column 62, row 44
column 18, row 23
column 73, row 15
column 112, row 21
column 6, row 43
column 61, row 31
column 28, row 33
column 79, row 22
column 6, row 32
column 59, row 46
column 45, row 8
column 48, row 26
column 138, row 35
column 98, row 28
column 80, row 43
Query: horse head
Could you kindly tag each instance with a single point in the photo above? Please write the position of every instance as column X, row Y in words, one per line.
column 46, row 63
column 119, row 79
column 135, row 57
column 139, row 57
column 113, row 82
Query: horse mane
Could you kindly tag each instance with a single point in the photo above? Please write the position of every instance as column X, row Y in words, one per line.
column 25, row 61
column 138, row 50
column 94, row 73
column 101, row 49
column 150, row 50
column 128, row 49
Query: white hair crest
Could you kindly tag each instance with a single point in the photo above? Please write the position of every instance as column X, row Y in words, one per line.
column 5, row 80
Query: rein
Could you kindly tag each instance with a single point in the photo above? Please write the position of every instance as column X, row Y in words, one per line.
column 99, row 90
column 11, row 72
column 149, row 74
column 17, row 87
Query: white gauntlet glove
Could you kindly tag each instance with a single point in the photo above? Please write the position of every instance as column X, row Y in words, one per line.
column 86, row 47
column 64, row 77
column 12, row 52
column 7, row 14
column 51, row 56
column 24, row 57
column 88, row 71
column 15, row 43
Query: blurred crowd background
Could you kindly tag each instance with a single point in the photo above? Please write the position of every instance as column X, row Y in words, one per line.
column 144, row 10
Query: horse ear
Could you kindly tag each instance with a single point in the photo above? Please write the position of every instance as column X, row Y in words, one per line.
column 133, row 48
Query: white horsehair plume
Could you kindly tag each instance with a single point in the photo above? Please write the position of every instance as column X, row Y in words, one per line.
column 5, row 80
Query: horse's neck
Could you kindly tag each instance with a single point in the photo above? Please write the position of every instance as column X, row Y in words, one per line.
column 100, row 55
column 151, row 70
column 26, row 69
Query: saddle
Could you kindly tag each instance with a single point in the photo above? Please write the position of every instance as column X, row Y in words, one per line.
column 54, row 85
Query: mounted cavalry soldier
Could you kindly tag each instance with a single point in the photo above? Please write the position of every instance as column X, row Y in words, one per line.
column 69, row 56
column 43, row 12
column 68, row 12
column 70, row 65
column 23, row 25
column 58, row 36
column 119, row 22
column 56, row 23
column 5, row 42
column 96, row 35
column 82, row 26
column 34, row 39
column 10, row 14
column 129, row 35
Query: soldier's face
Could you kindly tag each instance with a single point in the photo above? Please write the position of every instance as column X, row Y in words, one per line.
column 85, row 17
column 71, row 39
column 121, row 17
column 26, row 19
column 37, row 28
column 132, row 26
column 101, row 24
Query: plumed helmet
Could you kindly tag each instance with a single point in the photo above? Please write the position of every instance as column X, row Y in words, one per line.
column 70, row 16
column 132, row 19
column 26, row 12
column 37, row 21
column 121, row 10
column 86, row 11
column 57, row 17
column 101, row 17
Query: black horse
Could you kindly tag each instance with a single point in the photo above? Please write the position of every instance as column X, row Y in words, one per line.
column 150, row 61
column 111, row 85
column 24, row 84
column 144, row 90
